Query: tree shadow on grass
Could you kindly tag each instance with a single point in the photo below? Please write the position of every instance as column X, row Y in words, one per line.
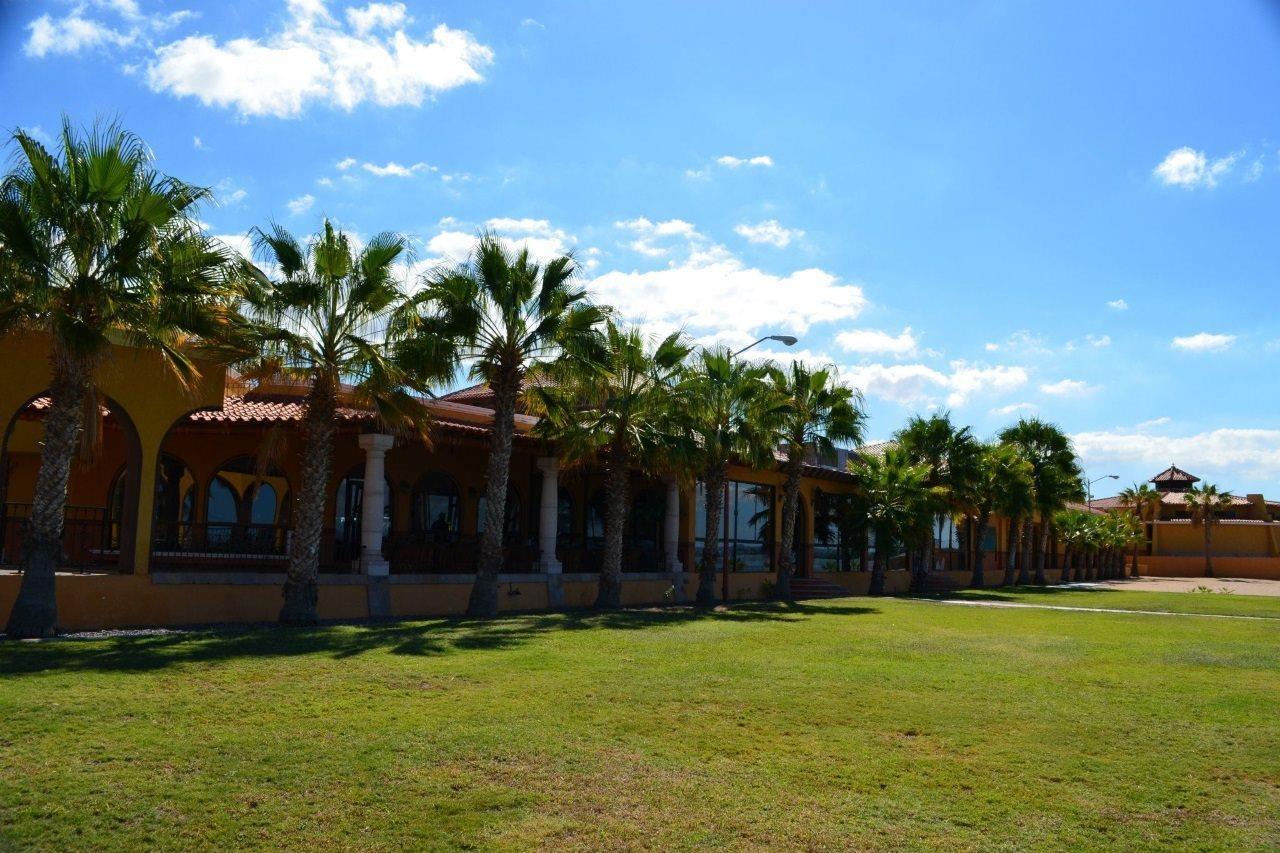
column 1013, row 594
column 441, row 636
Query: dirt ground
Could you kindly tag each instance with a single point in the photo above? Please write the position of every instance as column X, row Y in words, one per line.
column 1239, row 586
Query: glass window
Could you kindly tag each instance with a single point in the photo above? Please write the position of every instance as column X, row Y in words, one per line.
column 435, row 506
column 750, row 520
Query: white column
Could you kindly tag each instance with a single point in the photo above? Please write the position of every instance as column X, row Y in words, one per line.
column 671, row 527
column 548, row 515
column 375, row 497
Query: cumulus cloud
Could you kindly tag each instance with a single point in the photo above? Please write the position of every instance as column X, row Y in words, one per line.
column 731, row 162
column 1253, row 453
column 1067, row 388
column 1188, row 168
column 315, row 60
column 301, row 204
column 1118, row 305
column 70, row 35
column 544, row 241
column 1203, row 342
column 650, row 239
column 770, row 232
column 875, row 341
column 1098, row 341
column 913, row 384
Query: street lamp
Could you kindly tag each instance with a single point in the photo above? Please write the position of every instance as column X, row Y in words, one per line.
column 785, row 340
column 1089, row 486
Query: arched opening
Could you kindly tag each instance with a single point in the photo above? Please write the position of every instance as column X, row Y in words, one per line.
column 348, row 512
column 173, row 511
column 247, row 512
column 434, row 510
column 749, row 521
column 100, row 517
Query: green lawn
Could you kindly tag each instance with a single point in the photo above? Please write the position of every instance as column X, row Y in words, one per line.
column 857, row 723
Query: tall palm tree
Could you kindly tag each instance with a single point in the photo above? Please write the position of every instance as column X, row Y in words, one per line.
column 623, row 410
column 900, row 504
column 97, row 247
column 1055, row 473
column 950, row 454
column 510, row 317
column 1206, row 503
column 1073, row 527
column 817, row 411
column 334, row 317
column 1002, row 484
column 1145, row 503
column 727, row 406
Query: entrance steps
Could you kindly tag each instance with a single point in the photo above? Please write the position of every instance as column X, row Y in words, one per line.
column 816, row 588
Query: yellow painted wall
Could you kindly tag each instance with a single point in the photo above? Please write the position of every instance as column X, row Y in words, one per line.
column 1229, row 540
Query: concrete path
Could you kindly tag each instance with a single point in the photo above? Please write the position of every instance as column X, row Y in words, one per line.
column 1018, row 605
column 1239, row 586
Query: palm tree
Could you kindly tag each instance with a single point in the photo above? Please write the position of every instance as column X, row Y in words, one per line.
column 1145, row 503
column 951, row 456
column 1073, row 527
column 899, row 500
column 510, row 317
column 726, row 408
column 817, row 412
column 97, row 248
column 335, row 317
column 1055, row 473
column 622, row 410
column 1002, row 485
column 1205, row 503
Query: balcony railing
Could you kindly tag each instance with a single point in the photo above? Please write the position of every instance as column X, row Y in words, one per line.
column 89, row 541
column 426, row 553
column 586, row 554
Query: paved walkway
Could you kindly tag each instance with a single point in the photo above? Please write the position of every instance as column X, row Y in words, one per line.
column 1239, row 586
column 1019, row 605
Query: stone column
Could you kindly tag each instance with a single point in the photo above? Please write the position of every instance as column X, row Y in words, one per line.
column 375, row 447
column 548, row 520
column 671, row 538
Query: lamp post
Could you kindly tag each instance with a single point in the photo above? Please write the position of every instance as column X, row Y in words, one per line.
column 1089, row 486
column 785, row 340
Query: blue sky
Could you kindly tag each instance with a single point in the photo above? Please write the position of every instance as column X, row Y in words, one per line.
column 997, row 207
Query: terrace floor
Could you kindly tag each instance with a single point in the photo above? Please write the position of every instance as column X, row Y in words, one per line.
column 1238, row 586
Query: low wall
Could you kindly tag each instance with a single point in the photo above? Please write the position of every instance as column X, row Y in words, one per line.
column 1256, row 568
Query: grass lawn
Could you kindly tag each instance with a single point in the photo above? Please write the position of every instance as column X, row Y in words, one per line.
column 856, row 723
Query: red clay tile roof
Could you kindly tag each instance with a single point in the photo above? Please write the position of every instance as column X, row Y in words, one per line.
column 263, row 410
column 1174, row 474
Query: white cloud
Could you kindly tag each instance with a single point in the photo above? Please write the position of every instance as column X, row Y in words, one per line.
column 770, row 232
column 301, row 204
column 910, row 384
column 1067, row 388
column 1240, row 452
column 314, row 60
column 346, row 163
column 229, row 193
column 238, row 242
column 1021, row 341
column 392, row 169
column 377, row 16
column 732, row 162
column 70, row 35
column 1098, row 341
column 532, row 22
column 649, row 234
column 874, row 341
column 197, row 144
column 1204, row 342
column 1154, row 422
column 1188, row 168
column 1256, row 168
column 1014, row 408
column 1118, row 305
column 544, row 241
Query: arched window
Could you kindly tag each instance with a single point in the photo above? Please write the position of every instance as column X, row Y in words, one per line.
column 246, row 505
column 512, row 525
column 434, row 510
column 175, row 502
column 564, row 514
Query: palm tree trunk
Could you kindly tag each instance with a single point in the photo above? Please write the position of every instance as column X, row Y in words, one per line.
column 609, row 593
column 1011, row 553
column 1042, row 548
column 35, row 611
column 301, row 592
column 1024, row 557
column 790, row 505
column 878, row 566
column 713, row 491
column 978, row 580
column 1066, row 563
column 484, row 592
